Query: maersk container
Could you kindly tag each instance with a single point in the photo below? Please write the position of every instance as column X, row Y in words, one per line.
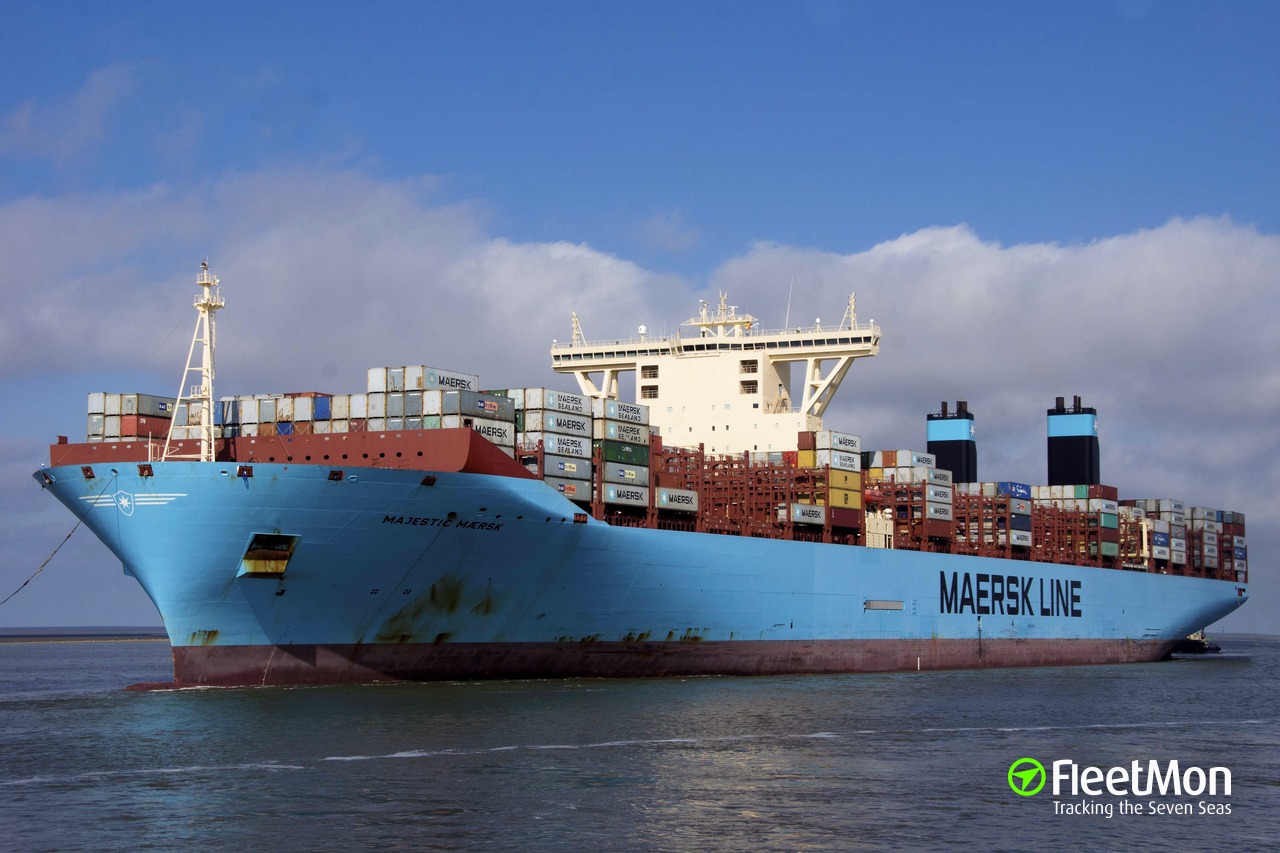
column 938, row 511
column 618, row 410
column 1209, row 539
column 1178, row 558
column 562, row 423
column 1238, row 541
column 1160, row 552
column 567, row 467
column 1172, row 505
column 620, row 431
column 677, row 500
column 558, row 445
column 577, row 490
column 501, row 433
column 1020, row 538
column 803, row 514
column 831, row 440
column 627, row 475
column 447, row 380
column 911, row 458
column 1177, row 544
column 937, row 476
column 475, row 404
column 939, row 494
column 556, row 401
column 628, row 495
column 1100, row 505
column 377, row 404
column 840, row 460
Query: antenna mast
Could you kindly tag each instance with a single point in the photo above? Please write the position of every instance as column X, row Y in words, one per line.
column 199, row 397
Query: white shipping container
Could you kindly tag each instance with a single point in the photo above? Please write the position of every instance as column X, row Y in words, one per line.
column 111, row 426
column 96, row 425
column 831, row 440
column 1238, row 541
column 556, row 401
column 340, row 425
column 559, row 422
column 939, row 494
column 97, row 403
column 359, row 405
column 517, row 396
column 681, row 500
column 340, row 407
column 629, row 495
column 501, row 433
column 839, row 460
column 915, row 457
column 938, row 476
column 447, row 380
column 938, row 511
column 619, row 410
column 805, row 514
column 377, row 424
column 249, row 430
column 1177, row 544
column 1178, row 558
column 322, row 427
column 620, row 431
column 627, row 475
column 1209, row 539
column 377, row 380
column 1020, row 538
column 1103, row 505
column 1159, row 525
column 1172, row 505
column 559, row 445
column 111, row 404
column 433, row 403
column 377, row 405
column 1160, row 552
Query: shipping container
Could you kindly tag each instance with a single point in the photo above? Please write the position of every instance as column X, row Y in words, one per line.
column 377, row 405
column 619, row 451
column 679, row 500
column 617, row 410
column 1013, row 490
column 559, row 422
column 1020, row 538
column 844, row 498
column 501, row 433
column 830, row 440
column 578, row 490
column 803, row 514
column 838, row 479
column 628, row 495
column 620, row 431
column 839, row 460
column 628, row 475
column 556, row 401
column 567, row 467
column 938, row 511
column 939, row 494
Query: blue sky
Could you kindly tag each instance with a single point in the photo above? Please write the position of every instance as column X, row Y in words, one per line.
column 1034, row 200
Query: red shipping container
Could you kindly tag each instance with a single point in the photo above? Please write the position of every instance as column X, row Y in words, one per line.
column 143, row 426
column 843, row 517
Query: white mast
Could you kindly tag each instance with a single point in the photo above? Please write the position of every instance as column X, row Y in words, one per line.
column 199, row 397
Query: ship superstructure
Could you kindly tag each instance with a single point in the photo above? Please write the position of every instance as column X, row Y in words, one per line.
column 727, row 383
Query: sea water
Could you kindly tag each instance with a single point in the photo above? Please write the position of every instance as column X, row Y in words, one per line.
column 897, row 761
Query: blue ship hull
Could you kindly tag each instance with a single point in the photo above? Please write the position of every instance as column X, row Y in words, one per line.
column 397, row 575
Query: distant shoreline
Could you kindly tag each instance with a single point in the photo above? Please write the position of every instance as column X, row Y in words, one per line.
column 91, row 635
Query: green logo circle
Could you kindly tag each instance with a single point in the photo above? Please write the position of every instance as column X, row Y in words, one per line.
column 1023, row 774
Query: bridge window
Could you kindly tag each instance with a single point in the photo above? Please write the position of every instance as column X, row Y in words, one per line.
column 648, row 392
column 749, row 386
column 649, row 371
column 748, row 365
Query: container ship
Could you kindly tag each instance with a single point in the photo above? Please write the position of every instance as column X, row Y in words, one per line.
column 425, row 528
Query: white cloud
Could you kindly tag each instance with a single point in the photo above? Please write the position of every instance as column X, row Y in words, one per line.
column 64, row 128
column 669, row 232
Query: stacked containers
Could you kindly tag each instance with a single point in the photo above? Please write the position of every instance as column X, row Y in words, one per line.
column 617, row 425
column 1205, row 535
column 396, row 399
column 1019, row 519
column 950, row 438
column 128, row 416
column 562, row 423
column 491, row 415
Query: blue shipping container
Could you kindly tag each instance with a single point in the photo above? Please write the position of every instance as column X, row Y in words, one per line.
column 1014, row 490
column 1240, row 553
column 1020, row 522
column 284, row 428
column 1160, row 540
column 320, row 408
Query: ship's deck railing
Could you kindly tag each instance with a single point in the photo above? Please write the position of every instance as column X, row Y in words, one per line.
column 871, row 329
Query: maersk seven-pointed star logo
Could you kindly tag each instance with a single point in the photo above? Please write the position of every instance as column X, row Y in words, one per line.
column 124, row 502
column 1026, row 777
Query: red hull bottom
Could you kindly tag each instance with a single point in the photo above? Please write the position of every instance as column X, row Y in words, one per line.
column 237, row 666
